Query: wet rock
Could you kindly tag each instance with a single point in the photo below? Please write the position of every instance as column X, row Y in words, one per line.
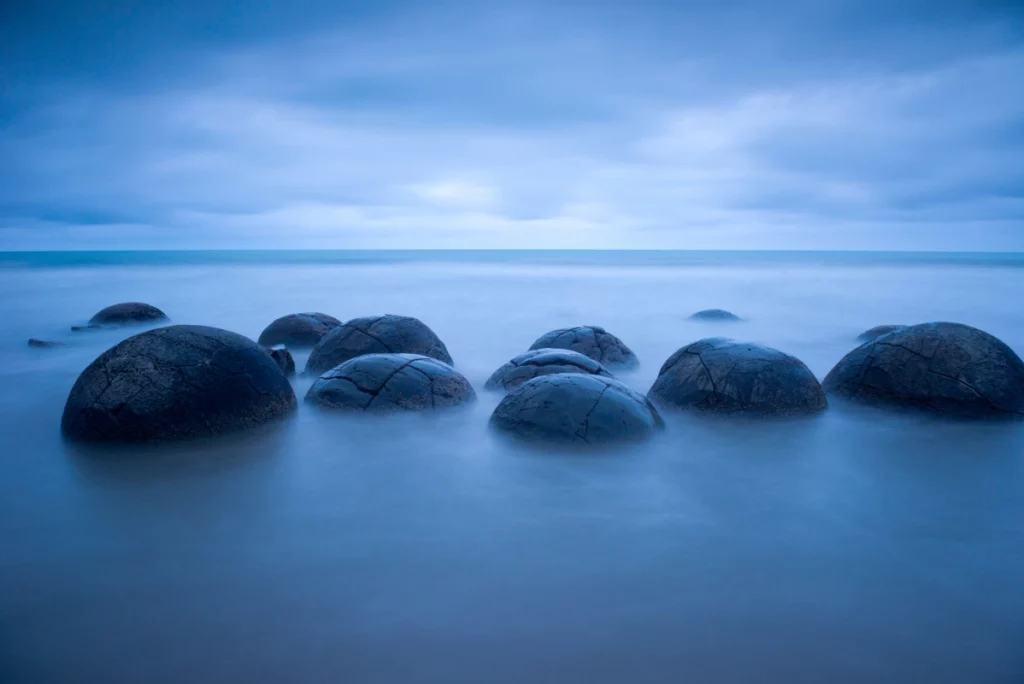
column 128, row 313
column 574, row 408
column 945, row 368
column 283, row 358
column 539, row 362
column 87, row 328
column 33, row 342
column 720, row 375
column 715, row 315
column 878, row 331
column 592, row 341
column 383, row 383
column 178, row 382
column 298, row 330
column 375, row 335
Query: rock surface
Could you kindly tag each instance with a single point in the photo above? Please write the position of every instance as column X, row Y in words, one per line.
column 178, row 382
column 715, row 315
column 945, row 368
column 574, row 408
column 298, row 330
column 383, row 383
column 724, row 376
column 592, row 341
column 92, row 327
column 375, row 335
column 127, row 313
column 43, row 344
column 539, row 362
column 283, row 358
column 878, row 331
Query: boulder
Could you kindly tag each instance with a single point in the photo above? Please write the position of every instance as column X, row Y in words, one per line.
column 592, row 341
column 375, row 335
column 383, row 383
column 714, row 315
column 298, row 330
column 720, row 375
column 539, row 362
column 878, row 331
column 283, row 358
column 178, row 382
column 576, row 409
column 92, row 327
column 43, row 344
column 944, row 368
column 128, row 313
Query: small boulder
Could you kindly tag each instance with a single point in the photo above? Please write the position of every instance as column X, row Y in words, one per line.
column 173, row 383
column 128, row 313
column 539, row 362
column 92, row 327
column 43, row 344
column 298, row 330
column 592, row 341
column 576, row 409
column 283, row 358
column 945, row 368
column 719, row 375
column 878, row 331
column 375, row 335
column 383, row 383
column 715, row 315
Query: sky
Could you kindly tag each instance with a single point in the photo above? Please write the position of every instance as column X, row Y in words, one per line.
column 791, row 124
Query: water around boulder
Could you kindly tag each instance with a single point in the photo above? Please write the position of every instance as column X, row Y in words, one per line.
column 298, row 330
column 539, row 362
column 173, row 383
column 388, row 334
column 128, row 313
column 878, row 331
column 714, row 315
column 719, row 375
column 592, row 341
column 945, row 368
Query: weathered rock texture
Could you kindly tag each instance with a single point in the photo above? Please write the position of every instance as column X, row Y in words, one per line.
column 592, row 341
column 298, row 330
column 375, row 335
column 128, row 313
column 539, row 362
column 715, row 315
column 878, row 331
column 283, row 358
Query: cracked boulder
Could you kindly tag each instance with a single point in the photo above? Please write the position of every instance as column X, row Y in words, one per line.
column 592, row 341
column 576, row 409
column 283, row 358
column 715, row 315
column 719, row 375
column 945, row 368
column 878, row 331
column 128, row 313
column 298, row 330
column 383, row 383
column 375, row 335
column 542, row 362
column 178, row 382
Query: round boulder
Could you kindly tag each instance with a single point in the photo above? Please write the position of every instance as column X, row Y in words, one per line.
column 283, row 358
column 375, row 335
column 715, row 315
column 539, row 362
column 298, row 330
column 592, row 341
column 177, row 382
column 945, row 368
column 128, row 313
column 878, row 331
column 384, row 383
column 575, row 408
column 719, row 375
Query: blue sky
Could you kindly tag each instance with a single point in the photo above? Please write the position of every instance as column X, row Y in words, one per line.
column 704, row 125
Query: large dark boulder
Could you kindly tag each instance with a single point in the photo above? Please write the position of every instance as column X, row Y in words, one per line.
column 878, row 331
column 592, row 341
column 375, row 335
column 720, row 375
column 128, row 313
column 298, row 330
column 177, row 382
column 945, row 368
column 383, row 383
column 539, row 362
column 574, row 408
column 714, row 315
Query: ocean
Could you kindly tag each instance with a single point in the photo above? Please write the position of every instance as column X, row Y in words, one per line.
column 856, row 546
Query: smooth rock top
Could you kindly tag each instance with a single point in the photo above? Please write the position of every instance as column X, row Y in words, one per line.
column 177, row 382
column 724, row 376
column 375, row 335
column 592, row 341
column 539, row 362
column 578, row 409
column 127, row 313
column 878, row 331
column 715, row 315
column 298, row 330
column 946, row 368
column 384, row 383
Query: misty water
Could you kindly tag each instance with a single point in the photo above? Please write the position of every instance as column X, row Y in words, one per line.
column 855, row 546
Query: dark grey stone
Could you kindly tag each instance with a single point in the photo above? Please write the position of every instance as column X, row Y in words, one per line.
column 383, row 383
column 87, row 328
column 878, row 331
column 375, row 335
column 720, row 375
column 298, row 330
column 178, row 382
column 539, row 362
column 127, row 313
column 42, row 344
column 574, row 408
column 283, row 358
column 592, row 341
column 945, row 368
column 715, row 315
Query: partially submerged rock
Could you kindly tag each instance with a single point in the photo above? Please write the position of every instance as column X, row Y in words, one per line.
column 178, row 382
column 33, row 342
column 375, row 335
column 128, row 313
column 539, row 362
column 714, row 315
column 92, row 327
column 283, row 358
column 878, row 331
column 383, row 383
column 592, row 341
column 579, row 409
column 945, row 368
column 720, row 375
column 298, row 330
